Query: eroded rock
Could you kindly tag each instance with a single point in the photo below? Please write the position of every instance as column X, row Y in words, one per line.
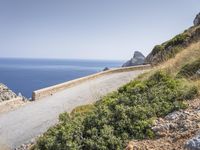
column 197, row 20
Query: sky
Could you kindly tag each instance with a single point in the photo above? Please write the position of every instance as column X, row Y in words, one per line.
column 90, row 29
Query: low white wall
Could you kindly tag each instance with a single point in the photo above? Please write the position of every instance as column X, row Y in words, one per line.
column 41, row 93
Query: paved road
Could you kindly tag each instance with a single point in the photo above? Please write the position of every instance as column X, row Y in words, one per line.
column 27, row 122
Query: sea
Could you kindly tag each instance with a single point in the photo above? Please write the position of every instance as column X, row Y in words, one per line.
column 26, row 75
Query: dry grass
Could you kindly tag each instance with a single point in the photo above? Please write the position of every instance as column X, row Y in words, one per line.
column 187, row 55
column 173, row 65
column 81, row 110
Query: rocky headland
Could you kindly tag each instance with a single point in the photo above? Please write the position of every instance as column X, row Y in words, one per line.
column 137, row 59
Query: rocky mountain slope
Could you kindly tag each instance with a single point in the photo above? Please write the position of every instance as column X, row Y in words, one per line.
column 178, row 130
column 138, row 59
column 6, row 93
column 169, row 49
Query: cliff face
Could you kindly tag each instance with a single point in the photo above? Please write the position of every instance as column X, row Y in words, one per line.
column 138, row 59
column 169, row 49
column 6, row 93
column 197, row 20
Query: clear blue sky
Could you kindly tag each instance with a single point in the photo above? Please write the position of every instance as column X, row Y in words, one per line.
column 90, row 29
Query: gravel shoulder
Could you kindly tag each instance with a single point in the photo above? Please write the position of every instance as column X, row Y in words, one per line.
column 27, row 122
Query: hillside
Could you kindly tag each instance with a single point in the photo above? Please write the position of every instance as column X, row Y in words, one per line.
column 159, row 110
column 169, row 49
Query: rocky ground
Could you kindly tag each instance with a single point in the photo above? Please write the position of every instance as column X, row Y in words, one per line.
column 27, row 146
column 178, row 130
column 6, row 93
column 9, row 100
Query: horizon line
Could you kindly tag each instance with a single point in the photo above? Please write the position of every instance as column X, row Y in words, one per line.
column 57, row 58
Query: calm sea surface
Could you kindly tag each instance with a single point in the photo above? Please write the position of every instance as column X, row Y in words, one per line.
column 26, row 75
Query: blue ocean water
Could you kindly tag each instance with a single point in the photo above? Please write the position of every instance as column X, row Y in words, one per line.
column 26, row 75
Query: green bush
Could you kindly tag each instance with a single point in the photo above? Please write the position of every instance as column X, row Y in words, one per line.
column 190, row 69
column 157, row 49
column 177, row 40
column 170, row 48
column 119, row 117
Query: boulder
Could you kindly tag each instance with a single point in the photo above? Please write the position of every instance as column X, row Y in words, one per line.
column 197, row 20
column 138, row 59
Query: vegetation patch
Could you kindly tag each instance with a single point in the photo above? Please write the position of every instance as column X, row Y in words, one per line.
column 177, row 40
column 157, row 49
column 190, row 70
column 119, row 117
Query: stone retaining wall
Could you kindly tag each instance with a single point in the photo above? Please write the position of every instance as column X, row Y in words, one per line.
column 36, row 95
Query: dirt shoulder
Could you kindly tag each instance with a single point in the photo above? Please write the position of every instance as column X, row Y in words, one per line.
column 12, row 104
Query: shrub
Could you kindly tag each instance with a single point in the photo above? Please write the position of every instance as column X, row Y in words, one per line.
column 177, row 40
column 190, row 69
column 157, row 49
column 119, row 117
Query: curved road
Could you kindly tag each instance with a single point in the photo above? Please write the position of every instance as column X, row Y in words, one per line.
column 27, row 122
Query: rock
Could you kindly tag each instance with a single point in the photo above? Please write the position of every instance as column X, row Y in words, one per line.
column 105, row 69
column 138, row 59
column 198, row 72
column 173, row 116
column 193, row 144
column 23, row 98
column 197, row 20
column 6, row 93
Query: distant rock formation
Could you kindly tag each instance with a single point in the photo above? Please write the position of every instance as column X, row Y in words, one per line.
column 138, row 59
column 105, row 69
column 6, row 93
column 197, row 20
